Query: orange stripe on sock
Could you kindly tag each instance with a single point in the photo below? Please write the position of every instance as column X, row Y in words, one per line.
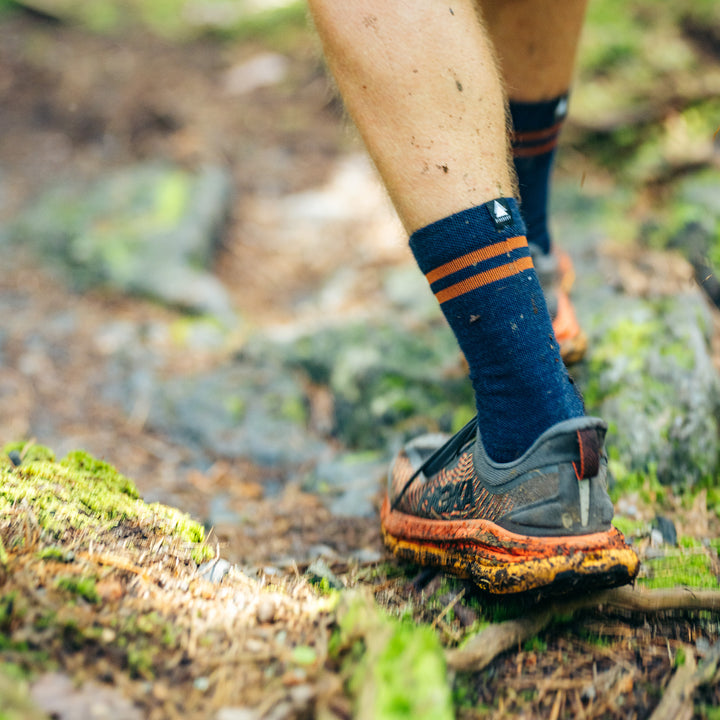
column 484, row 278
column 536, row 134
column 475, row 257
column 535, row 149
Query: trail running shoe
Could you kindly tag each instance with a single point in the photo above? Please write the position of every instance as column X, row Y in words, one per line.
column 557, row 275
column 539, row 523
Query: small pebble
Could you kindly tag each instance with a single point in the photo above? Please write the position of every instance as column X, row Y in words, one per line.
column 266, row 610
column 236, row 713
column 319, row 571
column 656, row 538
column 702, row 645
column 214, row 570
column 302, row 695
column 202, row 684
column 15, row 458
column 666, row 527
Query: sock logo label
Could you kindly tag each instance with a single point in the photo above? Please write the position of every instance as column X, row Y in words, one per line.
column 562, row 108
column 500, row 214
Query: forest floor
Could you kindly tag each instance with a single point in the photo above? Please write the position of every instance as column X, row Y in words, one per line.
column 268, row 642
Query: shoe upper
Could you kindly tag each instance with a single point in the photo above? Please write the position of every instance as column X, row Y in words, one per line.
column 557, row 487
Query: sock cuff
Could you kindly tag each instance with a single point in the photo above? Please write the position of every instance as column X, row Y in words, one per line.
column 528, row 116
column 472, row 249
column 536, row 126
column 458, row 235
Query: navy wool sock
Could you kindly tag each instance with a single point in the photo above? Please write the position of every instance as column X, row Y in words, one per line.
column 536, row 127
column 478, row 265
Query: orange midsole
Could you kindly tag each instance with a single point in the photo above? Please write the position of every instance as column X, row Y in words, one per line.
column 486, row 535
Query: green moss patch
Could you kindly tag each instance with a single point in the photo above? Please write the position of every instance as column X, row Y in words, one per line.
column 688, row 567
column 394, row 669
column 81, row 493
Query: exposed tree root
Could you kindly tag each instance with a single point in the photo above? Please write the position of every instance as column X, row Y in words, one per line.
column 484, row 647
column 677, row 700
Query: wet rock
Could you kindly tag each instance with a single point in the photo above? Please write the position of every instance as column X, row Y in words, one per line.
column 149, row 230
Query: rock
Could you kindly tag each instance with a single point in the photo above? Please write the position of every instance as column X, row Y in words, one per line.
column 214, row 570
column 389, row 381
column 666, row 527
column 261, row 70
column 149, row 230
column 237, row 713
column 319, row 571
column 650, row 374
column 691, row 224
column 349, row 482
column 56, row 694
column 266, row 611
column 237, row 410
column 302, row 695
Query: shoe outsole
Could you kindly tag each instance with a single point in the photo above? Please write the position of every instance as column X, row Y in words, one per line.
column 501, row 562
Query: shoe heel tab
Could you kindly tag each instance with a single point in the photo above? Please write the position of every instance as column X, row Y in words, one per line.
column 590, row 444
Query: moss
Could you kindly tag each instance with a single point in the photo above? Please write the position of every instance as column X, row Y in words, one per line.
column 84, row 493
column 84, row 587
column 15, row 700
column 29, row 452
column 410, row 676
column 645, row 483
column 685, row 567
column 100, row 471
column 140, row 662
column 629, row 528
column 396, row 670
column 595, row 639
column 53, row 552
column 535, row 644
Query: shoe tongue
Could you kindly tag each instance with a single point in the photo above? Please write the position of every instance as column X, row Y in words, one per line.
column 451, row 449
column 589, row 447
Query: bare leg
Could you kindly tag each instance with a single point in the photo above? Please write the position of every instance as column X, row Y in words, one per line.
column 420, row 81
column 536, row 43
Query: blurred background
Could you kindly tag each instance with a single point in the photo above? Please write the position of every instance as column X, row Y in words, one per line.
column 202, row 282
